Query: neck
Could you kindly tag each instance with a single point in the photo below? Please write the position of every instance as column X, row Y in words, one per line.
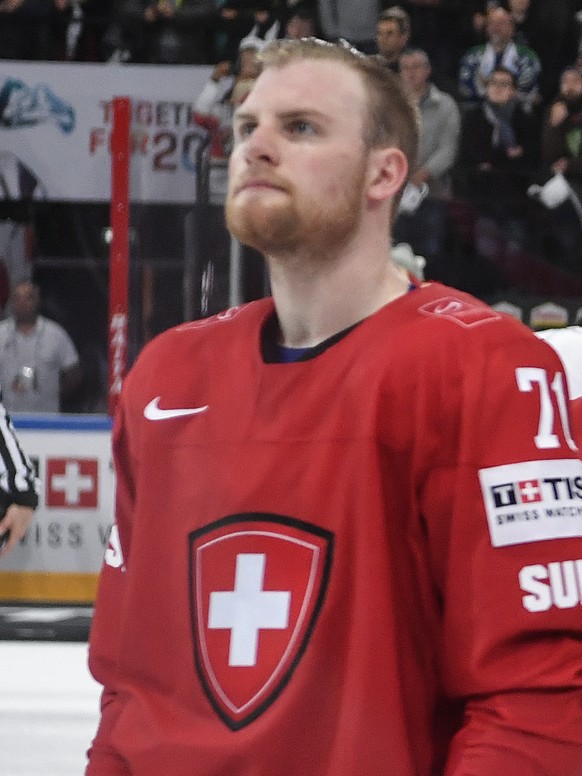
column 25, row 327
column 317, row 297
column 499, row 46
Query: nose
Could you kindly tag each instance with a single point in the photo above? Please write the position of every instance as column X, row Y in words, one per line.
column 262, row 145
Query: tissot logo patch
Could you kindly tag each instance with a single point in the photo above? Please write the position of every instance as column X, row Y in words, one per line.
column 257, row 583
column 533, row 501
column 510, row 494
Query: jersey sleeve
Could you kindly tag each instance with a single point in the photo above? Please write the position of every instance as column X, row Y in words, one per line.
column 106, row 627
column 504, row 523
column 576, row 408
column 18, row 480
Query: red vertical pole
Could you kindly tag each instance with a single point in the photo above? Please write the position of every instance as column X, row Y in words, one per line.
column 119, row 249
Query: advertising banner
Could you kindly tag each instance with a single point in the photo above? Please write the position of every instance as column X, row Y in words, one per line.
column 60, row 557
column 56, row 122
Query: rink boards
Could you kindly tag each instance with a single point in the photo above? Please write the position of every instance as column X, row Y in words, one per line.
column 59, row 559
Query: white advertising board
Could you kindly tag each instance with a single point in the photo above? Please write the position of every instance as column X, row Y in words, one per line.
column 60, row 557
column 56, row 121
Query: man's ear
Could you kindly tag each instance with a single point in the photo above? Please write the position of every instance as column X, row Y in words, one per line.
column 387, row 172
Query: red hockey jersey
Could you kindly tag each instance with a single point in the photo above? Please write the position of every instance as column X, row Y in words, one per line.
column 368, row 563
column 577, row 419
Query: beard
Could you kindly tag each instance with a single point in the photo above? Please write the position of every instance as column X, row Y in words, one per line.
column 279, row 223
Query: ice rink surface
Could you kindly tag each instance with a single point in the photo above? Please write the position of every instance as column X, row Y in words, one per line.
column 48, row 708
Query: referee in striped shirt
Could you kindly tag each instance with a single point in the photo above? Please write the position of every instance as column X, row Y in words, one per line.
column 18, row 486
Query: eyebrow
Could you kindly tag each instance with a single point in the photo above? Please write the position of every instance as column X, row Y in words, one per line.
column 299, row 113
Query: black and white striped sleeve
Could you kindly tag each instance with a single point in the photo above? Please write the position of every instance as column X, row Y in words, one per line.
column 18, row 479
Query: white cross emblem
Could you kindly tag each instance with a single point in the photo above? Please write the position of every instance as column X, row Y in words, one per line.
column 247, row 609
column 529, row 491
column 72, row 483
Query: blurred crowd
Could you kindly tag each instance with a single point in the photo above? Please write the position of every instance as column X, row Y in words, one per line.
column 208, row 31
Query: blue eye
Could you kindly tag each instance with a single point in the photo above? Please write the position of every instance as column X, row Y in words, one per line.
column 244, row 129
column 300, row 127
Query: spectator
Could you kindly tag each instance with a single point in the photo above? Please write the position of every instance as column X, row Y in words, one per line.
column 15, row 257
column 436, row 27
column 392, row 35
column 267, row 20
column 499, row 152
column 65, row 15
column 225, row 90
column 238, row 19
column 525, row 29
column 301, row 24
column 471, row 27
column 537, row 32
column 474, row 21
column 562, row 134
column 478, row 63
column 39, row 365
column 440, row 127
column 167, row 31
column 89, row 21
column 355, row 22
column 562, row 153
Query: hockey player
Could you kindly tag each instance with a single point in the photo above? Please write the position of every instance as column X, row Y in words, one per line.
column 348, row 517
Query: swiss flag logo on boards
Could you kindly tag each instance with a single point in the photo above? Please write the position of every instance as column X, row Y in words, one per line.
column 257, row 584
column 460, row 311
column 72, row 482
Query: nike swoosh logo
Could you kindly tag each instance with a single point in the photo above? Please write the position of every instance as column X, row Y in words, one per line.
column 153, row 412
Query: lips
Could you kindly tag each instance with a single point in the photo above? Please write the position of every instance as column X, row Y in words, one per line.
column 259, row 183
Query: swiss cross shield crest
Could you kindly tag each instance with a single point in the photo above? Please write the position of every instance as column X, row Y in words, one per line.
column 257, row 583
